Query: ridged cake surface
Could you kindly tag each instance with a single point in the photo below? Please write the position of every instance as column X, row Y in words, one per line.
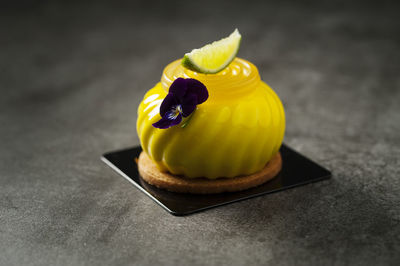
column 235, row 132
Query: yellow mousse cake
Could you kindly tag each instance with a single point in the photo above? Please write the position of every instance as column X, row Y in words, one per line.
column 235, row 133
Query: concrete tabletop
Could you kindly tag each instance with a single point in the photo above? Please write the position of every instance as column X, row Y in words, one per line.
column 72, row 76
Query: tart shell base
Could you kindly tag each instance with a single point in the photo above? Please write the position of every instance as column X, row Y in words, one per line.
column 150, row 173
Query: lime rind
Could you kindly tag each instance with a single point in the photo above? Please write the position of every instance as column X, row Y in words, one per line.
column 199, row 59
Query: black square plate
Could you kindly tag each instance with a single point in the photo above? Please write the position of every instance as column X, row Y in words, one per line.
column 296, row 170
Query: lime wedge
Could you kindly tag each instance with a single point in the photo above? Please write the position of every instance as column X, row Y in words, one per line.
column 213, row 57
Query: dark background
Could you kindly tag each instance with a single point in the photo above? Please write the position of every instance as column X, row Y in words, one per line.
column 72, row 76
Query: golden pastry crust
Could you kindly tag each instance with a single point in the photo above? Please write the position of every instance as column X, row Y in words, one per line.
column 150, row 173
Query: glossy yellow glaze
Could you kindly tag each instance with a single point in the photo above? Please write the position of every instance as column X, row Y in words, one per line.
column 235, row 132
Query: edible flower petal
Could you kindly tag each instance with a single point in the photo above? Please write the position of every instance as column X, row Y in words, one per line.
column 181, row 101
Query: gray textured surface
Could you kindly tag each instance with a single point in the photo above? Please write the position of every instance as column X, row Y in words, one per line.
column 72, row 76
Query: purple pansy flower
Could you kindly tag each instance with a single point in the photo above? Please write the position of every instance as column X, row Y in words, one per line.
column 183, row 97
